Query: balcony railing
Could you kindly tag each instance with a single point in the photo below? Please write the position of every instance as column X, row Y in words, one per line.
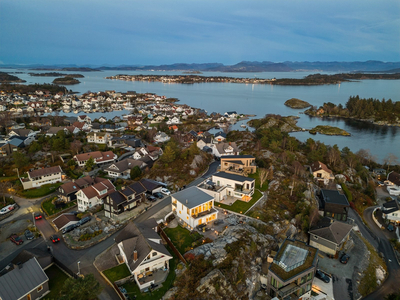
column 204, row 213
column 287, row 290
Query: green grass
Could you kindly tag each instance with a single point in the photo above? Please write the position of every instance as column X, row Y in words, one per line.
column 56, row 281
column 240, row 206
column 8, row 201
column 117, row 273
column 133, row 289
column 50, row 209
column 264, row 187
column 10, row 178
column 44, row 190
column 182, row 238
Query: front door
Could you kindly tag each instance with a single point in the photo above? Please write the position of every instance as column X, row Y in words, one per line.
column 200, row 221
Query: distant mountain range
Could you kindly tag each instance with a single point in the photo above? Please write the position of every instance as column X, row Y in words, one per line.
column 244, row 66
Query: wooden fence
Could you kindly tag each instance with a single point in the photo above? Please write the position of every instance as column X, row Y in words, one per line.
column 171, row 245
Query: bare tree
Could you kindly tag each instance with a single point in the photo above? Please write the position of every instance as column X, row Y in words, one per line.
column 314, row 216
column 333, row 156
column 351, row 160
column 365, row 156
column 263, row 175
column 76, row 146
column 298, row 168
column 227, row 128
column 390, row 159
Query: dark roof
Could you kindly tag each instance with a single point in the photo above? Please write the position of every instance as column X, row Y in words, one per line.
column 45, row 171
column 137, row 187
column 150, row 185
column 125, row 164
column 390, row 207
column 17, row 141
column 192, row 197
column 335, row 232
column 220, row 133
column 236, row 156
column 117, row 197
column 394, row 178
column 234, row 177
column 22, row 280
column 28, row 254
column 331, row 196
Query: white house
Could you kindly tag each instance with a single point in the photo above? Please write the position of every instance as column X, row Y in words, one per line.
column 161, row 137
column 223, row 185
column 122, row 169
column 222, row 149
column 85, row 118
column 93, row 195
column 321, row 172
column 100, row 158
column 98, row 137
column 143, row 253
column 193, row 207
column 391, row 211
column 39, row 177
column 393, row 183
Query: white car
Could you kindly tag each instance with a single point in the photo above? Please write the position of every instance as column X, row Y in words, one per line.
column 6, row 209
column 165, row 191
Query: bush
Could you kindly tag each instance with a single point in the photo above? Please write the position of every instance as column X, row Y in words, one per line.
column 88, row 236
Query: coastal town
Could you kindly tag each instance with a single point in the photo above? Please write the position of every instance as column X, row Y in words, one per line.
column 166, row 203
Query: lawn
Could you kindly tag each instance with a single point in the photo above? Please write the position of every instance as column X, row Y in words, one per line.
column 133, row 289
column 241, row 206
column 50, row 209
column 117, row 273
column 182, row 238
column 56, row 281
column 264, row 187
column 44, row 190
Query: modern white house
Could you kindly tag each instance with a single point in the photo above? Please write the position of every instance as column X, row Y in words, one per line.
column 143, row 253
column 161, row 137
column 222, row 186
column 193, row 207
column 93, row 195
column 39, row 177
column 393, row 183
column 391, row 211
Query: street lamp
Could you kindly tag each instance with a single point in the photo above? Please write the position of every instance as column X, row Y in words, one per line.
column 79, row 269
column 33, row 217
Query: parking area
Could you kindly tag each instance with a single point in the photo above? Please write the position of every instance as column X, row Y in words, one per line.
column 342, row 274
column 17, row 227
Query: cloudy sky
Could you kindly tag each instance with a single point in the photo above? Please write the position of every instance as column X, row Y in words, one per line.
column 164, row 32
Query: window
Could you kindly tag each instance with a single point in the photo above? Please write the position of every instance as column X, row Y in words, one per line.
column 309, row 276
column 40, row 288
column 303, row 280
column 154, row 254
column 29, row 297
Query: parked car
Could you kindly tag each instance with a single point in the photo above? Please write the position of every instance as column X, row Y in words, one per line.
column 218, row 221
column 28, row 234
column 69, row 228
column 83, row 221
column 165, row 191
column 16, row 239
column 6, row 209
column 381, row 183
column 390, row 227
column 321, row 275
column 158, row 195
column 344, row 258
column 151, row 198
column 201, row 226
column 54, row 238
column 38, row 216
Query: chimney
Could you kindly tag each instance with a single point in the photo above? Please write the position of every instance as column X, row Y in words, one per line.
column 186, row 201
column 134, row 255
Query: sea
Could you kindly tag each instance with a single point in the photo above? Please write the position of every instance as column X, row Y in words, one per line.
column 259, row 100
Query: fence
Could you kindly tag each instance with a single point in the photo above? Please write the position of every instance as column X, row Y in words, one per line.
column 64, row 268
column 168, row 241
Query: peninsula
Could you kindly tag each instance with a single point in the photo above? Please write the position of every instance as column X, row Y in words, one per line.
column 314, row 79
column 7, row 78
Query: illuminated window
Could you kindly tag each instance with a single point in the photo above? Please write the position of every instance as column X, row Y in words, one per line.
column 40, row 288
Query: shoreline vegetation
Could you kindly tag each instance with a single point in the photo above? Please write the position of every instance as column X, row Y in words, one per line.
column 329, row 130
column 7, row 78
column 56, row 74
column 314, row 79
column 378, row 112
column 68, row 80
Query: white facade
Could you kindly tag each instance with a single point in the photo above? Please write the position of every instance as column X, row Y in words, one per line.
column 98, row 138
column 38, row 181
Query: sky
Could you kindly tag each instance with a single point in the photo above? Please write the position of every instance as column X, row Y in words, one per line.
column 153, row 32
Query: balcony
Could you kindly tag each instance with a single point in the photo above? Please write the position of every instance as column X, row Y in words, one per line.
column 289, row 289
column 204, row 213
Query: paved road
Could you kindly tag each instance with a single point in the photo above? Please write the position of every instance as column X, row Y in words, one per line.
column 391, row 285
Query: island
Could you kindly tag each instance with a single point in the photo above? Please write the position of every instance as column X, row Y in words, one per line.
column 297, row 103
column 7, row 78
column 192, row 72
column 378, row 112
column 314, row 79
column 284, row 124
column 329, row 130
column 56, row 74
column 66, row 80
column 82, row 69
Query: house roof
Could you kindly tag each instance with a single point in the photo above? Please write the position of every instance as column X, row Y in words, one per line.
column 70, row 187
column 17, row 141
column 22, row 280
column 192, row 197
column 331, row 196
column 394, row 178
column 137, row 187
column 125, row 164
column 335, row 232
column 233, row 177
column 317, row 165
column 54, row 130
column 45, row 171
column 150, row 185
column 236, row 156
column 96, row 155
column 117, row 197
column 81, row 182
column 28, row 254
column 223, row 147
column 220, row 133
column 390, row 207
column 64, row 219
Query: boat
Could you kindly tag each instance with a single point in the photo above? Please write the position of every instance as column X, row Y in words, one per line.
column 243, row 126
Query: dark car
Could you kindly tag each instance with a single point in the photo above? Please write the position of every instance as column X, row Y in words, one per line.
column 16, row 239
column 28, row 234
column 158, row 195
column 69, row 228
column 83, row 221
column 151, row 198
column 38, row 216
column 219, row 221
column 54, row 238
column 344, row 258
column 201, row 227
column 390, row 227
column 319, row 274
